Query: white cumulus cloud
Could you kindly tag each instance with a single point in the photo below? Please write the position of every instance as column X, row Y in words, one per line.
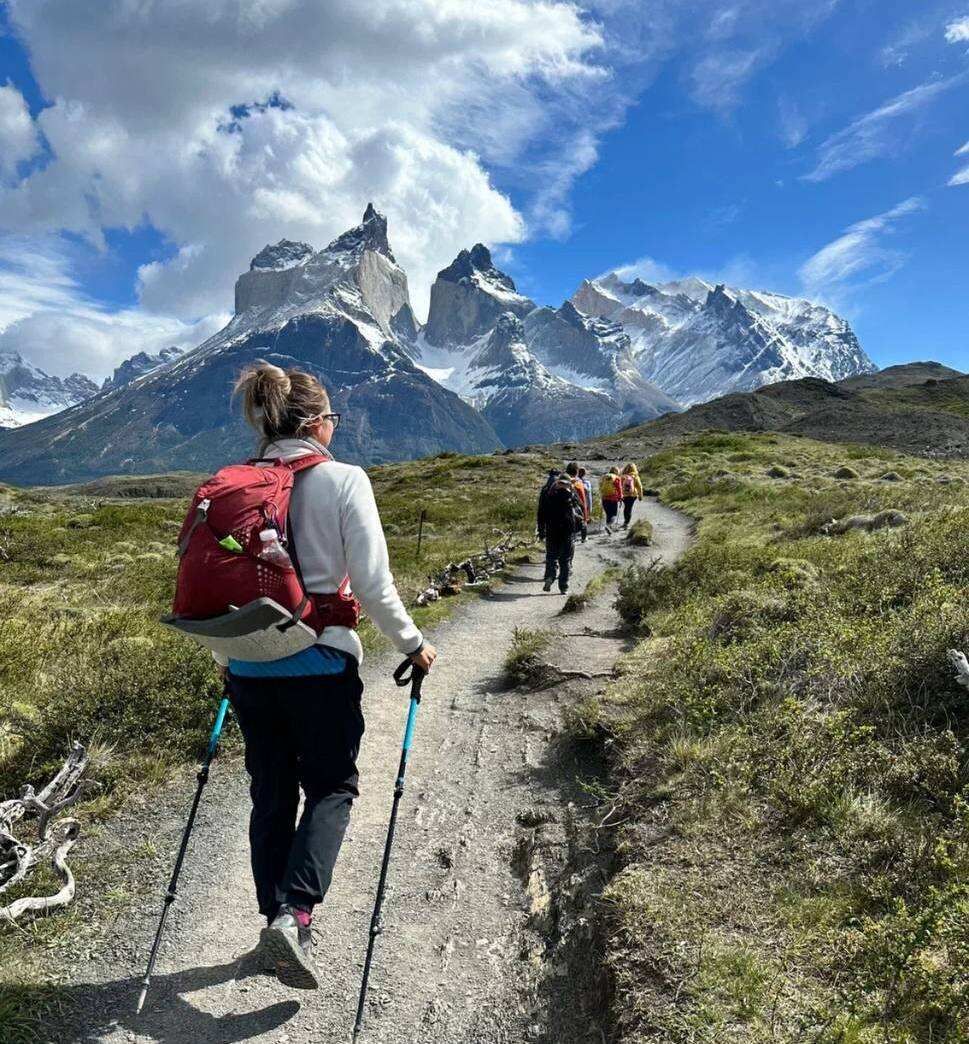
column 18, row 135
column 46, row 317
column 957, row 31
column 229, row 124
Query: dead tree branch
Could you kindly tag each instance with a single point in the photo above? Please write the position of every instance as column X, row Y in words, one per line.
column 54, row 836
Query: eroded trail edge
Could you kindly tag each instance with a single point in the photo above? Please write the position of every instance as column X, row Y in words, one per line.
column 485, row 897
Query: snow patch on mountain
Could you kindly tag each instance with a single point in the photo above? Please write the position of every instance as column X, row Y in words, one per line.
column 27, row 393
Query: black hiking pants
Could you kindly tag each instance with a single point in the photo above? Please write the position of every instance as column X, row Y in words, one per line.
column 559, row 551
column 301, row 733
column 627, row 509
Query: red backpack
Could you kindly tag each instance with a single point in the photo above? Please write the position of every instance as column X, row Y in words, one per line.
column 219, row 548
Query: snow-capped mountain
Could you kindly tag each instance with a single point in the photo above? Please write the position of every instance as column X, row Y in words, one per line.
column 570, row 373
column 519, row 396
column 698, row 341
column 138, row 365
column 342, row 313
column 490, row 367
column 27, row 393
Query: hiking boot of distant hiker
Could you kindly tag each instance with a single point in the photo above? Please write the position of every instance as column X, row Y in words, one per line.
column 608, row 528
column 287, row 942
column 564, row 590
column 547, row 586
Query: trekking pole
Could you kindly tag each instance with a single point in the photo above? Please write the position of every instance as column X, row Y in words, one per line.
column 203, row 775
column 401, row 677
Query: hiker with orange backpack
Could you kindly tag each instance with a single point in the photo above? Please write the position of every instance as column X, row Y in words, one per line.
column 302, row 531
column 585, row 503
column 632, row 490
column 610, row 491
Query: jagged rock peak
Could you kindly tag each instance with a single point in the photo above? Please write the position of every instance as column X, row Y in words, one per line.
column 138, row 365
column 508, row 329
column 285, row 254
column 370, row 234
column 477, row 259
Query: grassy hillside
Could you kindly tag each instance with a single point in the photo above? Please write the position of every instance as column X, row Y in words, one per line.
column 792, row 776
column 918, row 408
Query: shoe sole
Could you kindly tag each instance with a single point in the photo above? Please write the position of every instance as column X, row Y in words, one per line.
column 292, row 965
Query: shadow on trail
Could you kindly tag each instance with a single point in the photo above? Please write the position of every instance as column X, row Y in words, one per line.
column 169, row 1017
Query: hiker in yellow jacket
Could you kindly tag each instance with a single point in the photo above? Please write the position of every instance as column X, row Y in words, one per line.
column 632, row 490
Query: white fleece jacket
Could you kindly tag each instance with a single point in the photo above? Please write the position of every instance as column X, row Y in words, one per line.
column 336, row 528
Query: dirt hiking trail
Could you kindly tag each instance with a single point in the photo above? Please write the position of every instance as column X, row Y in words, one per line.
column 475, row 914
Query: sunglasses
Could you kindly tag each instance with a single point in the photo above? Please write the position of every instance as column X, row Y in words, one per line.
column 333, row 418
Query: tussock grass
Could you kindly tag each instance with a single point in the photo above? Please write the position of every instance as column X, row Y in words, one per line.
column 523, row 663
column 575, row 603
column 640, row 533
column 795, row 726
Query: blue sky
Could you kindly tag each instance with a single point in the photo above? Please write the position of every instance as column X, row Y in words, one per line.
column 808, row 148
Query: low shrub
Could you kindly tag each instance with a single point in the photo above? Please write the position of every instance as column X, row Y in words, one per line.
column 642, row 590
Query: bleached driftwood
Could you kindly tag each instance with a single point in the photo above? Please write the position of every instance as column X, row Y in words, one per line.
column 55, row 836
column 961, row 664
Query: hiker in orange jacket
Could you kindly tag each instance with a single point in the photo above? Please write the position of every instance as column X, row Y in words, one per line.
column 572, row 470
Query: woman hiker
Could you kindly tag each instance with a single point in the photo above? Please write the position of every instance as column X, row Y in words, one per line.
column 301, row 716
column 610, row 490
column 632, row 490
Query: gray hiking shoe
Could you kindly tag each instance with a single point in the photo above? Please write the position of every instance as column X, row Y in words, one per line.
column 289, row 945
column 547, row 586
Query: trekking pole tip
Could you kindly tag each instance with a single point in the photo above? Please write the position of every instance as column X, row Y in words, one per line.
column 141, row 999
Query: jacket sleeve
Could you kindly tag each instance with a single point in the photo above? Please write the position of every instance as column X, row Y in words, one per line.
column 368, row 564
column 637, row 482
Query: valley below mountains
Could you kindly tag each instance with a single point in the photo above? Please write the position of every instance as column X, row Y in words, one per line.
column 490, row 368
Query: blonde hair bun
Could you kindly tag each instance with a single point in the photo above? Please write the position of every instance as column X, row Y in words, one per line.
column 280, row 403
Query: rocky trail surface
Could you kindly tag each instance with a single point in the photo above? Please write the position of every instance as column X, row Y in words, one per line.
column 483, row 916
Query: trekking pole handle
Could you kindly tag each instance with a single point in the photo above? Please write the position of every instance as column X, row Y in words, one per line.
column 408, row 673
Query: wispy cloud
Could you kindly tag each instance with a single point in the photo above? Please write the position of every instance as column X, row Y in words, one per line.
column 793, row 122
column 876, row 133
column 958, row 30
column 859, row 256
column 47, row 318
column 962, row 176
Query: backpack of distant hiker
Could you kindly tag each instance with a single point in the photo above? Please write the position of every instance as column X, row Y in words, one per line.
column 628, row 486
column 239, row 590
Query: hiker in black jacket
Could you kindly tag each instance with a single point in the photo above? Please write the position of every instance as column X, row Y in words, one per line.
column 559, row 513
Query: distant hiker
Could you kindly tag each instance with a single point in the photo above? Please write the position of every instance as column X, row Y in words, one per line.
column 632, row 490
column 585, row 501
column 301, row 716
column 588, row 490
column 610, row 490
column 559, row 514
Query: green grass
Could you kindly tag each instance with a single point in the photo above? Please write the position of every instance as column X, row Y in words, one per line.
column 523, row 663
column 87, row 571
column 575, row 603
column 795, row 726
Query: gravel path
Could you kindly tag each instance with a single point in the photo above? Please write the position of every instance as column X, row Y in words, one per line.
column 469, row 910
